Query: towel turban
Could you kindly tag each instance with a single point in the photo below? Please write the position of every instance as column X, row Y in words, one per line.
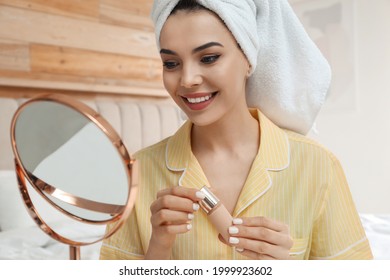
column 290, row 77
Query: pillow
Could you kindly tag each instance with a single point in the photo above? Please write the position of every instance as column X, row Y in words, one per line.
column 13, row 212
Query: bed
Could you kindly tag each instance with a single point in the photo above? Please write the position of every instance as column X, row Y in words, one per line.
column 148, row 122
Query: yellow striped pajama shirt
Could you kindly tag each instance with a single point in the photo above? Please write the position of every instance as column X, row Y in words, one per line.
column 293, row 180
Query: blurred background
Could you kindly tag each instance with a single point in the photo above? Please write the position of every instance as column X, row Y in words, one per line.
column 106, row 49
column 354, row 35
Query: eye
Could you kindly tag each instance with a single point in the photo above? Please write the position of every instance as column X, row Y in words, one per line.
column 208, row 59
column 170, row 64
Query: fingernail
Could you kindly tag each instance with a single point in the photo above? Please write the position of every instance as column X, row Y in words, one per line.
column 195, row 206
column 237, row 221
column 190, row 216
column 233, row 230
column 240, row 250
column 233, row 240
column 200, row 195
column 189, row 226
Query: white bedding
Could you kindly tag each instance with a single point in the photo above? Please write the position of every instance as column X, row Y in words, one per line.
column 31, row 243
column 377, row 229
column 22, row 239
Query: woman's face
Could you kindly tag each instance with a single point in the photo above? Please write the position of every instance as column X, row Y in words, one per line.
column 204, row 70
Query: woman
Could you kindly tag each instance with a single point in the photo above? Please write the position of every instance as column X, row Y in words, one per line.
column 287, row 194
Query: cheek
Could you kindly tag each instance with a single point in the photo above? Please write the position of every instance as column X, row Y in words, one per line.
column 230, row 74
column 170, row 83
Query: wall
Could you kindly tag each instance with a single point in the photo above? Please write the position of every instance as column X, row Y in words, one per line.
column 103, row 46
column 357, row 128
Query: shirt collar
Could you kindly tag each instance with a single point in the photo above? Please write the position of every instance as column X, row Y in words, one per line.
column 274, row 148
column 273, row 155
column 178, row 149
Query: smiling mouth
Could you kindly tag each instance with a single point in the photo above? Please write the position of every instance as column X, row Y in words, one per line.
column 198, row 100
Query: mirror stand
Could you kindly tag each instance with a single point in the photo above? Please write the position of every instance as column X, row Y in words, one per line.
column 74, row 252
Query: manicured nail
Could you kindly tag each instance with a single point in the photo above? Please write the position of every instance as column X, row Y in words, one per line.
column 189, row 226
column 190, row 216
column 195, row 206
column 237, row 221
column 233, row 230
column 200, row 195
column 233, row 240
column 240, row 250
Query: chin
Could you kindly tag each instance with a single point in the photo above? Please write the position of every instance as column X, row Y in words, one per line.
column 205, row 117
column 202, row 119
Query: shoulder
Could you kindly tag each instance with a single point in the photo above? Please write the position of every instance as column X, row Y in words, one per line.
column 305, row 146
column 154, row 150
column 314, row 161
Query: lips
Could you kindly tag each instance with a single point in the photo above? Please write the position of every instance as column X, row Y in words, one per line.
column 199, row 101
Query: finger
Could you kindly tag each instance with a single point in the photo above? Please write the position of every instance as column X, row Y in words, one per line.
column 167, row 216
column 190, row 193
column 223, row 240
column 263, row 234
column 260, row 247
column 262, row 222
column 175, row 229
column 174, row 203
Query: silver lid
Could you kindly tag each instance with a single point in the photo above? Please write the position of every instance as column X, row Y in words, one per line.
column 210, row 200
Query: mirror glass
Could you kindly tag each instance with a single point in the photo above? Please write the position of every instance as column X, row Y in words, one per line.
column 71, row 164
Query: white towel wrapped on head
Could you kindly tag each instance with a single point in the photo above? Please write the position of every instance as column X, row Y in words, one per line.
column 289, row 77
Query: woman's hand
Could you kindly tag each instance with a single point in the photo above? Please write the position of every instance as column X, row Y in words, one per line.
column 261, row 238
column 172, row 213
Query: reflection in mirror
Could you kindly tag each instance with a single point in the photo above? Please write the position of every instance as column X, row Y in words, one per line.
column 63, row 224
column 80, row 159
column 74, row 161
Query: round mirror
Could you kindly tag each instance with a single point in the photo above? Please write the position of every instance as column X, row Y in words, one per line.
column 76, row 163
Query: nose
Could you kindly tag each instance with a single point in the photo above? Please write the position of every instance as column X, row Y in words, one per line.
column 190, row 77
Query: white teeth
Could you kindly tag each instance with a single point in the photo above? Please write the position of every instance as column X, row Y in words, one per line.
column 199, row 99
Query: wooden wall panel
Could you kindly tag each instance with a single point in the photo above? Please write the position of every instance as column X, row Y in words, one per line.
column 117, row 16
column 14, row 56
column 135, row 7
column 82, row 45
column 77, row 83
column 60, row 60
column 38, row 27
column 73, row 8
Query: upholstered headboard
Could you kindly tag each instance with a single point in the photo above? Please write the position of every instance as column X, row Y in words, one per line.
column 139, row 123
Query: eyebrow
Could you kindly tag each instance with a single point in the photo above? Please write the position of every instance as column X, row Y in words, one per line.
column 197, row 49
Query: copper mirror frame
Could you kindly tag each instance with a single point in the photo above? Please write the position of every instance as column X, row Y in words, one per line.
column 119, row 214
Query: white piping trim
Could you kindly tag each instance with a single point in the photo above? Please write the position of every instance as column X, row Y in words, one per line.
column 184, row 170
column 297, row 253
column 256, row 197
column 341, row 252
column 288, row 156
column 182, row 176
column 166, row 161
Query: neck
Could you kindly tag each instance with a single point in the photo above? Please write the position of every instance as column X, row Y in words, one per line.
column 233, row 132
